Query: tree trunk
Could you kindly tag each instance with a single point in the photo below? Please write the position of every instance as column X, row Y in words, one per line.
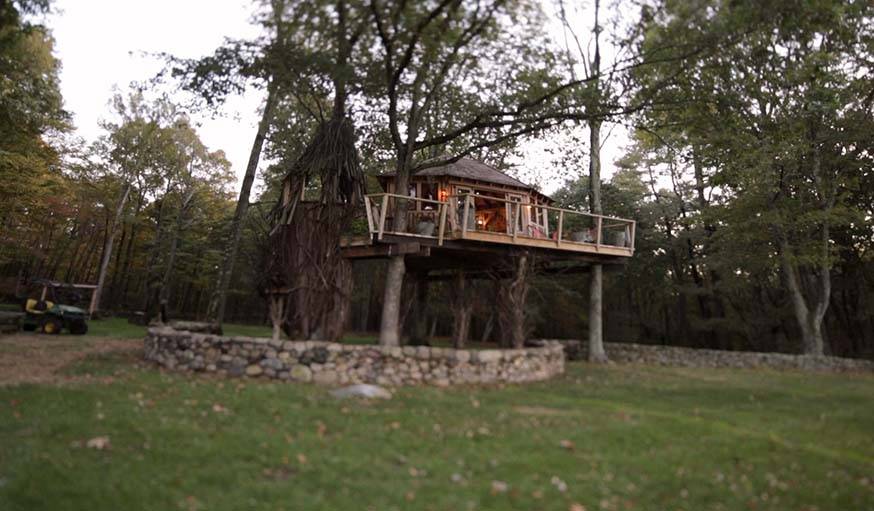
column 596, row 284
column 150, row 304
column 420, row 308
column 511, row 303
column 809, row 321
column 122, row 296
column 487, row 330
column 389, row 333
column 459, row 301
column 217, row 304
column 107, row 252
column 596, row 330
column 277, row 314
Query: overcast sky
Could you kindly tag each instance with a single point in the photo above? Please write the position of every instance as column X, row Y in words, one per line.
column 101, row 43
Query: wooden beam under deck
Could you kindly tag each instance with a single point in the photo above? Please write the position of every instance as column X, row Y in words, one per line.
column 379, row 250
column 460, row 252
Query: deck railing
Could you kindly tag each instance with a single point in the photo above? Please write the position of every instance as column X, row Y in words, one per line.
column 458, row 217
column 389, row 213
column 558, row 226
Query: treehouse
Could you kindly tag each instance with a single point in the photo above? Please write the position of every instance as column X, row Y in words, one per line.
column 461, row 215
column 455, row 221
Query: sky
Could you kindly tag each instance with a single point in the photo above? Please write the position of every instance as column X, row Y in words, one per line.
column 101, row 45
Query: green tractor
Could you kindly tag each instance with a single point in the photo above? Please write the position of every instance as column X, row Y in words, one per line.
column 50, row 313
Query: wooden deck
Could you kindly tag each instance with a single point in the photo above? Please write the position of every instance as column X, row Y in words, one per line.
column 450, row 227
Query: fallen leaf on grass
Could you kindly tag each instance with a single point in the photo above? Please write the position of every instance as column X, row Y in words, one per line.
column 277, row 474
column 99, row 442
column 560, row 485
column 577, row 507
column 499, row 487
column 217, row 408
column 567, row 444
column 301, row 458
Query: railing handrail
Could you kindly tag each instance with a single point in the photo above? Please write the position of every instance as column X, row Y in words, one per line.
column 407, row 197
column 544, row 206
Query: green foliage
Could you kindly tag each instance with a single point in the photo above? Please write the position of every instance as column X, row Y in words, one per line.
column 30, row 113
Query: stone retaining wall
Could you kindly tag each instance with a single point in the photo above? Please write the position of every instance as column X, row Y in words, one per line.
column 693, row 357
column 335, row 363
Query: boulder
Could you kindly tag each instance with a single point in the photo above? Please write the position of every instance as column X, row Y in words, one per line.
column 362, row 391
column 301, row 372
column 196, row 326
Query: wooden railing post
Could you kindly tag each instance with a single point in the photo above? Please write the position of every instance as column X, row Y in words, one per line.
column 631, row 244
column 516, row 219
column 442, row 229
column 369, row 212
column 599, row 223
column 464, row 216
column 558, row 231
column 385, row 199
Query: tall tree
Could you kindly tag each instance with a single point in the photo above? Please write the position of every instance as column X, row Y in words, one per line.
column 774, row 115
column 457, row 78
column 31, row 114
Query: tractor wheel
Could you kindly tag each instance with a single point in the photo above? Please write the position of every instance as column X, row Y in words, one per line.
column 52, row 326
column 79, row 327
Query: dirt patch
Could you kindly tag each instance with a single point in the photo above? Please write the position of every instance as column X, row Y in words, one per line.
column 34, row 358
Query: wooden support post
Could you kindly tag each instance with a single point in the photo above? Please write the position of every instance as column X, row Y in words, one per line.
column 545, row 214
column 558, row 232
column 631, row 244
column 516, row 219
column 92, row 305
column 442, row 228
column 464, row 216
column 369, row 212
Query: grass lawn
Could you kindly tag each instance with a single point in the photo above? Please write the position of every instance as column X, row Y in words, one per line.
column 598, row 438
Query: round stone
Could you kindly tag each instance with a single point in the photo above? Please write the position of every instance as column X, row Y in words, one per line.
column 301, row 372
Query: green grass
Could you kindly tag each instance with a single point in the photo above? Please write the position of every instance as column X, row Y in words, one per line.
column 118, row 328
column 639, row 438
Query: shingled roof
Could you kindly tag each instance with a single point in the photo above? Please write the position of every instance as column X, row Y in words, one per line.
column 471, row 170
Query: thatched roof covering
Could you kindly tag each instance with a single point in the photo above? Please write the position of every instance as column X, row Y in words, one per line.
column 469, row 169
